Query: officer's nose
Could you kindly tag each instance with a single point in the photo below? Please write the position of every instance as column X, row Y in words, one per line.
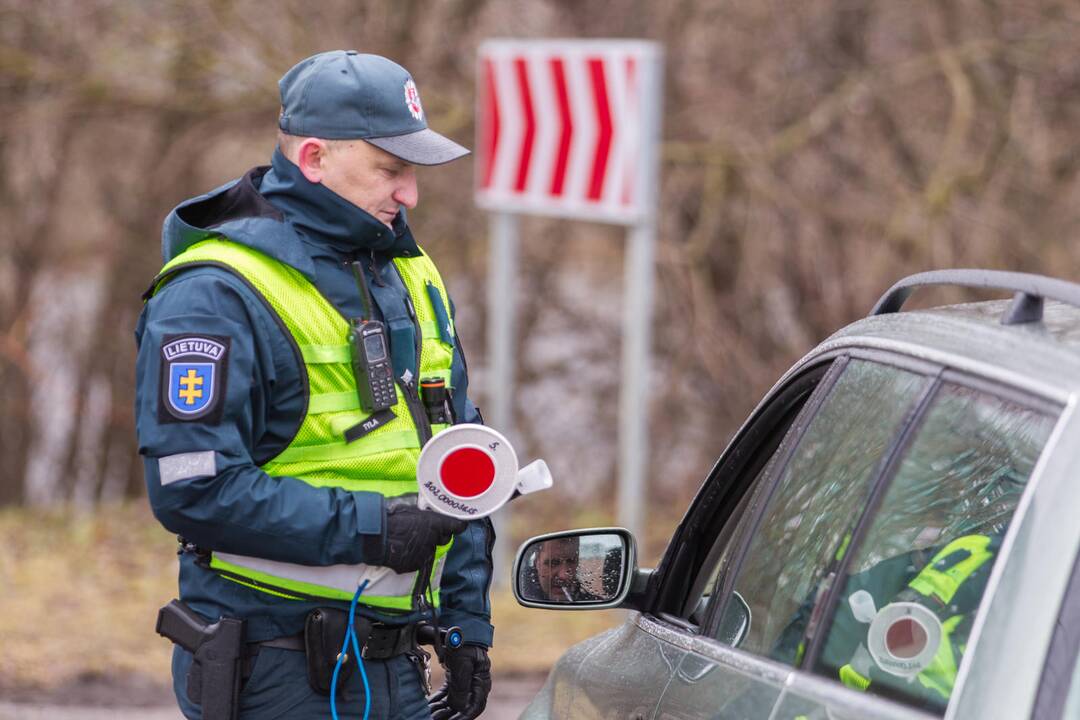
column 406, row 193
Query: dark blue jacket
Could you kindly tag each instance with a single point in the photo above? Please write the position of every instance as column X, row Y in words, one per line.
column 239, row 508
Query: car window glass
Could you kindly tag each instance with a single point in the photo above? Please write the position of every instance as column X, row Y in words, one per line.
column 740, row 519
column 821, row 492
column 908, row 604
column 781, row 436
column 716, row 524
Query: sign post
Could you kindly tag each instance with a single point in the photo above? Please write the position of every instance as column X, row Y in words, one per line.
column 502, row 264
column 571, row 128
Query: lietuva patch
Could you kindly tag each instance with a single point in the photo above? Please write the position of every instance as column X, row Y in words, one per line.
column 193, row 373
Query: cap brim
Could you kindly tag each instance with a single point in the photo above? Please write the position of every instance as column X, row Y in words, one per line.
column 424, row 147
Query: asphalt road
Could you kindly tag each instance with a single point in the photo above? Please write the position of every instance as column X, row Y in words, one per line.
column 509, row 696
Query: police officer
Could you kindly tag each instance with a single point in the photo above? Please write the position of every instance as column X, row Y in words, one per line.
column 288, row 491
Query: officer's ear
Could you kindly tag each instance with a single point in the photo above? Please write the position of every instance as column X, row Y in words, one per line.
column 311, row 159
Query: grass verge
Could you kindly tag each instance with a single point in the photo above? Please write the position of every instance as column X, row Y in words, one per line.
column 79, row 594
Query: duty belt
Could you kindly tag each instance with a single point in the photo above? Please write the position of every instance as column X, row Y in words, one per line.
column 384, row 642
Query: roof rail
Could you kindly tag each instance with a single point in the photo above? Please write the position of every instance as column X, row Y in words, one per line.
column 1027, row 306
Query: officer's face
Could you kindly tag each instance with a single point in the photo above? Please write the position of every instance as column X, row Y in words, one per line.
column 557, row 564
column 372, row 179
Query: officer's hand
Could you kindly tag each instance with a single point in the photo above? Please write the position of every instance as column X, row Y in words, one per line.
column 412, row 534
column 468, row 682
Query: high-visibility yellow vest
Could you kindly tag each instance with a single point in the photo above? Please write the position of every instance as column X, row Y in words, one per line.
column 383, row 461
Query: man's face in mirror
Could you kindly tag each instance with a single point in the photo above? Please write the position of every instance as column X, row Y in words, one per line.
column 557, row 564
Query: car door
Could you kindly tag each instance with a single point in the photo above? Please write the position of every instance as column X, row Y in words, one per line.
column 895, row 490
column 832, row 448
column 618, row 675
column 1058, row 697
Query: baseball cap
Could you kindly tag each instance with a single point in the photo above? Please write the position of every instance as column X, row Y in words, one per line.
column 346, row 95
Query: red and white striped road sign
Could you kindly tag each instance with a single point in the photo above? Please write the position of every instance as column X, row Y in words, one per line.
column 564, row 127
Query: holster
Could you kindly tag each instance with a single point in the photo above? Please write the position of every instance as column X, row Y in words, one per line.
column 324, row 635
column 214, row 678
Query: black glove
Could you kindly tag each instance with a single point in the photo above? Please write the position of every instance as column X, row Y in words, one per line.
column 468, row 682
column 412, row 534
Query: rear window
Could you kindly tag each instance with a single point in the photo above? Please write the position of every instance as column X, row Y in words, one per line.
column 910, row 594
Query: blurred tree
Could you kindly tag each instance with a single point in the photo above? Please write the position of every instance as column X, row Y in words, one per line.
column 814, row 153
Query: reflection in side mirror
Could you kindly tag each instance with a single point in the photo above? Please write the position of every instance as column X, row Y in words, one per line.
column 736, row 622
column 588, row 568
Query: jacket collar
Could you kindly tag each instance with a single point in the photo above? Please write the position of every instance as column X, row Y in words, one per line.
column 275, row 210
column 239, row 213
column 325, row 218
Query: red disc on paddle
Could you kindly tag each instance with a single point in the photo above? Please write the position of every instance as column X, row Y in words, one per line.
column 467, row 472
column 905, row 638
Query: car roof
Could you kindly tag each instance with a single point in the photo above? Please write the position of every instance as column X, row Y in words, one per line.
column 1042, row 356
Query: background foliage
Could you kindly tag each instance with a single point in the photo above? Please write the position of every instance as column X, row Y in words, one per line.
column 814, row 152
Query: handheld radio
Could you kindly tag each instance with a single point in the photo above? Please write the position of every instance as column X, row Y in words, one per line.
column 372, row 370
column 371, row 366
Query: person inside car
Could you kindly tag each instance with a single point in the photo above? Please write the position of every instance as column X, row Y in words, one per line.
column 552, row 573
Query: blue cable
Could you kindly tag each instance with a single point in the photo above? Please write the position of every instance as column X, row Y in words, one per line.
column 350, row 635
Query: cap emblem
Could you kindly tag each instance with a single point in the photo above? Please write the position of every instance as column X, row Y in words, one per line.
column 412, row 100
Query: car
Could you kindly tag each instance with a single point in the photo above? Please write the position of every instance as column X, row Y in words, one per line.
column 892, row 533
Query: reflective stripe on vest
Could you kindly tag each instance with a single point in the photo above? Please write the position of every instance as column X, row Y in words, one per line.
column 383, row 461
column 853, row 678
column 943, row 583
column 332, row 581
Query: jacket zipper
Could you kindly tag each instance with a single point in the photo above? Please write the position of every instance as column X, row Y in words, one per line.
column 408, row 383
column 416, row 408
column 375, row 274
column 423, row 428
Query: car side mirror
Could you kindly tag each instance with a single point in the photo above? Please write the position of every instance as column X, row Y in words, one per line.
column 736, row 622
column 575, row 569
